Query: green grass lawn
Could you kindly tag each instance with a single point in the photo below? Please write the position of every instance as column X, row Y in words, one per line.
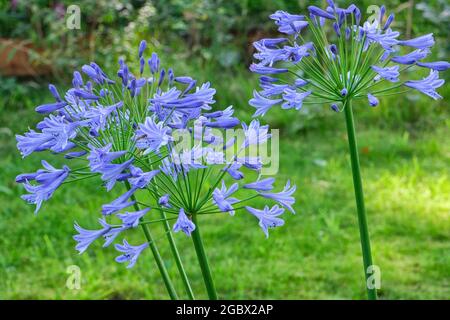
column 315, row 255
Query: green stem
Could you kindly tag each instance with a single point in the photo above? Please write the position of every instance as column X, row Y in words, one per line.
column 176, row 255
column 203, row 260
column 359, row 195
column 160, row 263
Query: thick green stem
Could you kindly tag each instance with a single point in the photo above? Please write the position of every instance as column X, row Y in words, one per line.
column 203, row 260
column 176, row 256
column 159, row 262
column 359, row 195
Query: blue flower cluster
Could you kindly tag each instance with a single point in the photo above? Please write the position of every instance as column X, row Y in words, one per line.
column 126, row 130
column 348, row 65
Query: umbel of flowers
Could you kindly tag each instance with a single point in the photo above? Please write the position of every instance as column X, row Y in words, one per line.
column 124, row 131
column 329, row 56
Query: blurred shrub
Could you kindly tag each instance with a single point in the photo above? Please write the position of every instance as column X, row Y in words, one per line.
column 219, row 30
column 43, row 23
column 209, row 39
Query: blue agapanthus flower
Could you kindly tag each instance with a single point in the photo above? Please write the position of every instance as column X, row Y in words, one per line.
column 268, row 217
column 130, row 253
column 153, row 136
column 46, row 183
column 184, row 223
column 352, row 61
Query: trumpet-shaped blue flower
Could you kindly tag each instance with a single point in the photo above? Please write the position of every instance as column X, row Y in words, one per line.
column 334, row 107
column 389, row 73
column 99, row 157
column 91, row 73
column 85, row 94
column 112, row 172
column 412, row 57
column 222, row 198
column 296, row 53
column 50, row 107
column 164, row 201
column 262, row 104
column 47, row 181
column 233, row 170
column 119, row 203
column 437, row 65
column 266, row 70
column 33, row 141
column 255, row 134
column 272, row 89
column 289, row 23
column 427, row 85
column 284, row 197
column 131, row 219
column 373, row 101
column 130, row 253
column 153, row 63
column 142, row 46
column 54, row 92
column 267, row 56
column 320, row 13
column 294, row 99
column 55, row 136
column 183, row 223
column 387, row 39
column 261, row 185
column 252, row 163
column 97, row 117
column 268, row 218
column 223, row 123
column 151, row 136
column 86, row 237
column 139, row 178
column 422, row 42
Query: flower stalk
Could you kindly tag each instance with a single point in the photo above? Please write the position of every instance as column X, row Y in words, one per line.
column 203, row 260
column 359, row 196
column 159, row 262
column 176, row 256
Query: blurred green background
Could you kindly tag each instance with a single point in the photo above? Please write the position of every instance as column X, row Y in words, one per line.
column 404, row 145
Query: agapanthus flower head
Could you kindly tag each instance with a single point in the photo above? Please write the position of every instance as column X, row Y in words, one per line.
column 155, row 134
column 353, row 61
